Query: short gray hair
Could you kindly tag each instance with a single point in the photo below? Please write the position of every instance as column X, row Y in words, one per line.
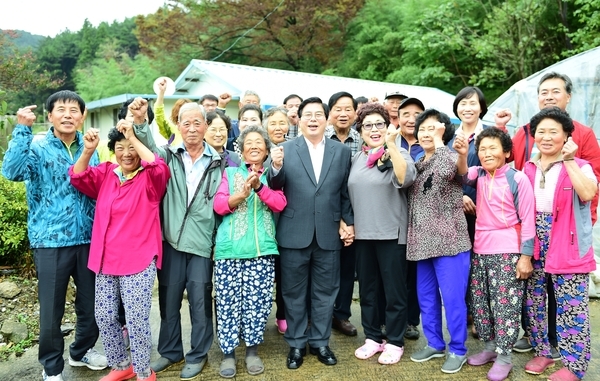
column 254, row 128
column 250, row 93
column 554, row 75
column 192, row 106
column 270, row 112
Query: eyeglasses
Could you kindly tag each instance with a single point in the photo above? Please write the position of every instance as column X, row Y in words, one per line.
column 214, row 131
column 316, row 115
column 378, row 125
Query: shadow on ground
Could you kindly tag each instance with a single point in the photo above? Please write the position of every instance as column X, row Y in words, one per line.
column 274, row 350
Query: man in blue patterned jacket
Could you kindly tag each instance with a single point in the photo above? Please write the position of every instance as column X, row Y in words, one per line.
column 59, row 228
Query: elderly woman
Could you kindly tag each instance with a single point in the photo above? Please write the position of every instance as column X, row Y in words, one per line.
column 126, row 246
column 249, row 114
column 277, row 125
column 219, row 125
column 377, row 185
column 244, row 252
column 565, row 185
column 503, row 247
column 439, row 242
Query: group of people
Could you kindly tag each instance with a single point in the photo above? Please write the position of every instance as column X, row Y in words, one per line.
column 302, row 198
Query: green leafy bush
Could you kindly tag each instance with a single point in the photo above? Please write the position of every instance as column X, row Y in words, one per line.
column 14, row 245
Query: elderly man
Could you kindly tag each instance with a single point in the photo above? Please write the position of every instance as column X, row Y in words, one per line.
column 554, row 90
column 314, row 178
column 291, row 103
column 342, row 115
column 391, row 103
column 59, row 228
column 188, row 226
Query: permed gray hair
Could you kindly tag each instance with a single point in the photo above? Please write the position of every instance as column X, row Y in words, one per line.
column 254, row 128
column 270, row 112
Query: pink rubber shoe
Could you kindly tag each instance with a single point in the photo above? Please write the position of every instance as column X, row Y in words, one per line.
column 369, row 349
column 482, row 358
column 391, row 354
column 538, row 365
column 281, row 325
column 119, row 375
column 499, row 372
column 563, row 374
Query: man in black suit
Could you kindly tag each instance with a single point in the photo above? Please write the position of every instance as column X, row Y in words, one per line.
column 312, row 229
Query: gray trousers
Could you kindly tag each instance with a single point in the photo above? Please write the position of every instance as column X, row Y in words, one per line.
column 54, row 267
column 324, row 269
column 183, row 271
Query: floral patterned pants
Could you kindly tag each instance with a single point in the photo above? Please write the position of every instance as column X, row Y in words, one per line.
column 496, row 299
column 572, row 312
column 136, row 293
column 243, row 296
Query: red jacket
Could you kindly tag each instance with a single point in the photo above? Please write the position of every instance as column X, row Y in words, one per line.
column 582, row 135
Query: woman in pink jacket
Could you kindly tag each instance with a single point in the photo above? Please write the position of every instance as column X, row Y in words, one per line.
column 126, row 246
column 502, row 250
column 563, row 254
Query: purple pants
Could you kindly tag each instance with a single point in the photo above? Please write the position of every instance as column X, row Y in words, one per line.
column 444, row 279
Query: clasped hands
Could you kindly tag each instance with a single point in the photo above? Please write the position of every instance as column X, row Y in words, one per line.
column 346, row 233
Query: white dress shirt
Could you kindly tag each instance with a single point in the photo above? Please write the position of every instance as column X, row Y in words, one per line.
column 316, row 156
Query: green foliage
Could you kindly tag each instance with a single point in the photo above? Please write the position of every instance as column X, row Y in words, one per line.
column 20, row 347
column 26, row 40
column 586, row 33
column 113, row 73
column 14, row 244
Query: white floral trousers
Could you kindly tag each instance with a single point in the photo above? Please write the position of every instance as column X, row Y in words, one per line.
column 244, row 296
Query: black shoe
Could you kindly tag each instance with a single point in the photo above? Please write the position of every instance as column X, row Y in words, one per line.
column 295, row 357
column 324, row 354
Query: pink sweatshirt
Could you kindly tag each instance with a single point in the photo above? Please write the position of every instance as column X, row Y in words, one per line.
column 505, row 211
column 126, row 235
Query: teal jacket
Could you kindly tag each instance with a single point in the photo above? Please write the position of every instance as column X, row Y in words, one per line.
column 249, row 231
column 189, row 229
column 59, row 215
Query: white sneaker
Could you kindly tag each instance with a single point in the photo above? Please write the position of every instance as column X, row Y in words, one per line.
column 92, row 359
column 45, row 377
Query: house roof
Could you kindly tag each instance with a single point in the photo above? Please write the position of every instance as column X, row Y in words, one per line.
column 121, row 98
column 273, row 85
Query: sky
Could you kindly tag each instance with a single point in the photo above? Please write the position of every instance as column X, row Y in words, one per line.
column 51, row 17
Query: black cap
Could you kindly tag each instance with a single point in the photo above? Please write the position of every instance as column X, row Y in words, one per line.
column 395, row 94
column 411, row 101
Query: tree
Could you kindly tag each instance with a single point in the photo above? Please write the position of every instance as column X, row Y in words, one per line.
column 21, row 72
column 303, row 35
column 585, row 33
column 374, row 42
column 113, row 72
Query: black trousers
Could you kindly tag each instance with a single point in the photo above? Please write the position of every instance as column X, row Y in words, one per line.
column 54, row 267
column 343, row 302
column 414, row 311
column 382, row 262
column 183, row 271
